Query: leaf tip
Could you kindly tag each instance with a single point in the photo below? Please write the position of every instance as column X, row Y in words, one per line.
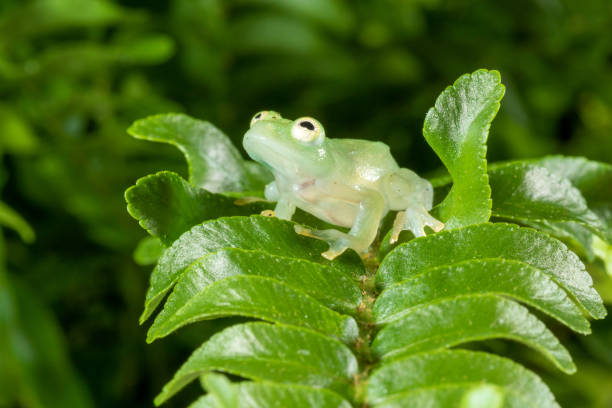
column 160, row 399
column 145, row 315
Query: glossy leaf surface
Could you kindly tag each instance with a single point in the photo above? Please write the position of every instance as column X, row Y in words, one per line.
column 267, row 394
column 269, row 235
column 588, row 177
column 593, row 179
column 458, row 320
column 526, row 192
column 457, row 128
column 166, row 205
column 395, row 381
column 514, row 279
column 220, row 390
column 503, row 241
column 328, row 285
column 214, row 163
column 448, row 395
column 262, row 351
column 260, row 297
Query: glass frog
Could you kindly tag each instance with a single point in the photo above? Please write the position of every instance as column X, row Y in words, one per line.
column 346, row 182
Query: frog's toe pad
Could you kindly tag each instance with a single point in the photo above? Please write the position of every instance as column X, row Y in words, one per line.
column 267, row 213
column 307, row 232
column 334, row 251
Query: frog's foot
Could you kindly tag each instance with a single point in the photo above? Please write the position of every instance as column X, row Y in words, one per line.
column 247, row 200
column 267, row 213
column 338, row 241
column 415, row 220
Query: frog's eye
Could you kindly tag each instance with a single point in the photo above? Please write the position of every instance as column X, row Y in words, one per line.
column 307, row 130
column 265, row 115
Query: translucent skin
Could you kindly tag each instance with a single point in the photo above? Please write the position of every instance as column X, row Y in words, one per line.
column 346, row 182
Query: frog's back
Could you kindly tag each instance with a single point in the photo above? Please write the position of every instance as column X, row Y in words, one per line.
column 366, row 152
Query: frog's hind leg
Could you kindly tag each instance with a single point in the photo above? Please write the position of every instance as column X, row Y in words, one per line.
column 362, row 233
column 414, row 197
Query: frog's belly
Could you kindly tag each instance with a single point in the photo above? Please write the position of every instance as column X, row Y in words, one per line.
column 333, row 210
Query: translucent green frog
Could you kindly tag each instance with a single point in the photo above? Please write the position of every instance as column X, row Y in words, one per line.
column 345, row 182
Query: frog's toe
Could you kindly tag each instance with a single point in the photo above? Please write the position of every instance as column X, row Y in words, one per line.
column 433, row 223
column 325, row 235
column 414, row 221
column 338, row 241
column 307, row 232
column 398, row 226
column 335, row 249
column 407, row 220
column 267, row 213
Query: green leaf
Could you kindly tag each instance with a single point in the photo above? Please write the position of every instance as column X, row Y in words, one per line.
column 503, row 241
column 324, row 283
column 483, row 396
column 259, row 297
column 526, row 193
column 393, row 383
column 262, row 351
column 514, row 279
column 258, row 34
column 38, row 17
column 9, row 218
column 33, row 353
column 166, row 205
column 214, row 163
column 577, row 235
column 457, row 128
column 148, row 251
column 604, row 251
column 62, row 13
column 16, row 135
column 83, row 57
column 266, row 234
column 333, row 14
column 266, row 394
column 570, row 219
column 588, row 177
column 592, row 178
column 458, row 320
column 440, row 396
column 221, row 390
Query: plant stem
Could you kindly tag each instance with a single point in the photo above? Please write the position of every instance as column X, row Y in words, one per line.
column 365, row 321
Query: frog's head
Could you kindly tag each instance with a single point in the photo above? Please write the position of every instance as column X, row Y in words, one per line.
column 293, row 148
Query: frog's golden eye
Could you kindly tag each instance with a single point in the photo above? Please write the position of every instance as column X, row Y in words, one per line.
column 265, row 115
column 307, row 130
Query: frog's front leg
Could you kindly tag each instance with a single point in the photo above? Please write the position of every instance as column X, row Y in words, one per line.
column 408, row 192
column 284, row 206
column 362, row 232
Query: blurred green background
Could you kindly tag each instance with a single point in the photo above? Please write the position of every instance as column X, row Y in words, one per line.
column 75, row 73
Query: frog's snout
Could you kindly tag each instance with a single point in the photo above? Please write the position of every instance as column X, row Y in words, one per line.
column 250, row 139
column 254, row 140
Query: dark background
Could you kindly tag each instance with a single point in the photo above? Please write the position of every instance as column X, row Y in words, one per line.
column 75, row 73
